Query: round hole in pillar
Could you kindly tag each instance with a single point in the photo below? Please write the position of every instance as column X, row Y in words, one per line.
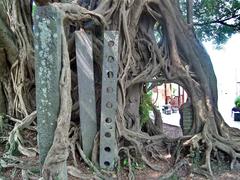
column 110, row 43
column 109, row 105
column 107, row 149
column 108, row 134
column 109, row 89
column 107, row 163
column 110, row 74
column 108, row 120
column 110, row 59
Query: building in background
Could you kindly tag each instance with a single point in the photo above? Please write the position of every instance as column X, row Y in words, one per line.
column 237, row 81
column 169, row 93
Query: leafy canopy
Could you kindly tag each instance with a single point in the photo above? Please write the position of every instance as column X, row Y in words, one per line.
column 216, row 19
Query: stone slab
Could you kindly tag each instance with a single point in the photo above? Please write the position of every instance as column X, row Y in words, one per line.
column 86, row 90
column 187, row 118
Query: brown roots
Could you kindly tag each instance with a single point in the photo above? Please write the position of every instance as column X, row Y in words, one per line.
column 176, row 57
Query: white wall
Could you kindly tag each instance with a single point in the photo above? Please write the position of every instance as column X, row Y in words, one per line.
column 226, row 63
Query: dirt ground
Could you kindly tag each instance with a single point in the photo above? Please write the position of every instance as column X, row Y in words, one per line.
column 141, row 172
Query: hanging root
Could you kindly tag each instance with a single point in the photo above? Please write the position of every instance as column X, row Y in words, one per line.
column 16, row 141
column 176, row 57
column 89, row 163
column 58, row 153
column 173, row 170
column 75, row 146
column 75, row 172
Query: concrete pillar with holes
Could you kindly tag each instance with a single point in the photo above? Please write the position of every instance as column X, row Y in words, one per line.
column 108, row 144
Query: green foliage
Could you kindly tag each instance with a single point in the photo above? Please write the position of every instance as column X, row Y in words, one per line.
column 134, row 164
column 216, row 20
column 196, row 157
column 158, row 32
column 220, row 166
column 174, row 177
column 9, row 161
column 11, row 146
column 12, row 149
column 34, row 8
column 145, row 107
column 237, row 102
column 3, row 178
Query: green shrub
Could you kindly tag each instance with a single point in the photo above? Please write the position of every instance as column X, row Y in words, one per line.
column 134, row 164
column 34, row 8
column 237, row 102
column 145, row 107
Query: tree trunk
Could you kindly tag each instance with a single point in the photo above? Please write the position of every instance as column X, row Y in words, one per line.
column 3, row 69
column 178, row 57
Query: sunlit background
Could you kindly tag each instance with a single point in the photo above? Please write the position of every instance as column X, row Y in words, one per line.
column 226, row 63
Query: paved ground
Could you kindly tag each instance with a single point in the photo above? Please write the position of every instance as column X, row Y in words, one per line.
column 172, row 119
column 225, row 106
column 226, row 103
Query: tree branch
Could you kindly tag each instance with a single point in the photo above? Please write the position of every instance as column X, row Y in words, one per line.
column 190, row 12
column 220, row 21
column 7, row 41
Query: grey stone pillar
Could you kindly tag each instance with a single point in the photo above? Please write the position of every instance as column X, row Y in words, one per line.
column 108, row 144
column 86, row 90
column 47, row 34
column 187, row 118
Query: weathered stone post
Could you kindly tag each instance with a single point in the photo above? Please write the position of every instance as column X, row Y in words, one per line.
column 47, row 34
column 86, row 90
column 186, row 113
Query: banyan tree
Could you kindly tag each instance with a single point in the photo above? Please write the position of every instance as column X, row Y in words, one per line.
column 157, row 44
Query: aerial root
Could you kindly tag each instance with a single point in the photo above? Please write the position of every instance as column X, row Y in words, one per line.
column 75, row 172
column 72, row 170
column 207, row 163
column 130, row 158
column 89, row 162
column 156, row 151
column 173, row 170
column 74, row 131
column 15, row 139
column 201, row 172
column 212, row 144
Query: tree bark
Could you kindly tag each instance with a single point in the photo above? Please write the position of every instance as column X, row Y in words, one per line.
column 178, row 57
